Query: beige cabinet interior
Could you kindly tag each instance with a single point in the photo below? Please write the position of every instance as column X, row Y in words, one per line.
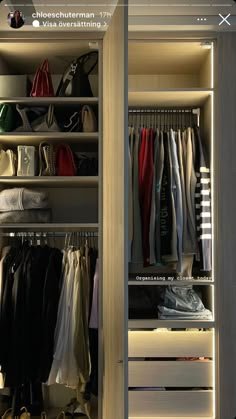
column 80, row 203
column 172, row 74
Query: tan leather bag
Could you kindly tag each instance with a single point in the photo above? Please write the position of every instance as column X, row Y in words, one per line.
column 46, row 160
column 89, row 121
column 7, row 163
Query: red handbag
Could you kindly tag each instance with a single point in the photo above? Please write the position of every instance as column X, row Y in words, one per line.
column 65, row 164
column 42, row 84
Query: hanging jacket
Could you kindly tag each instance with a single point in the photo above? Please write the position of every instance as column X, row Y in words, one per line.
column 50, row 301
column 137, row 255
column 146, row 170
column 166, row 216
column 190, row 238
column 177, row 191
column 182, row 180
column 203, row 204
column 158, row 168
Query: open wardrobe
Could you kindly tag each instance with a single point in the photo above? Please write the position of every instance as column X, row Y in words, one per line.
column 180, row 359
column 117, row 232
column 61, row 228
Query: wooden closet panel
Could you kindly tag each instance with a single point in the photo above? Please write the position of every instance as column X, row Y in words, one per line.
column 206, row 123
column 115, row 220
column 170, row 374
column 160, row 344
column 205, row 72
column 162, row 81
column 225, row 213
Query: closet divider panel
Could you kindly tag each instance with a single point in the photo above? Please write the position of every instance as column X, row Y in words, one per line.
column 115, row 220
column 225, row 240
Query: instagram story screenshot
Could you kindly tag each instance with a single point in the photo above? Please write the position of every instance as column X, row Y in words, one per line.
column 117, row 209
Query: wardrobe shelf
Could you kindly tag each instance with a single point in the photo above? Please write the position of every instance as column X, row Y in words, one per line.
column 51, row 181
column 50, row 100
column 169, row 97
column 35, row 138
column 138, row 268
column 178, row 324
column 57, row 227
column 169, row 417
column 174, row 282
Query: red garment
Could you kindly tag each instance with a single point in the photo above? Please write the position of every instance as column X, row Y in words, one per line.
column 146, row 171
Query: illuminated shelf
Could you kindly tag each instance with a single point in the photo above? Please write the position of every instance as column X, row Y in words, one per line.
column 178, row 324
column 169, row 97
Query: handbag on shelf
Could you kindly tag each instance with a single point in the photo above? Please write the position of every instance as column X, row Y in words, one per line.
column 44, row 123
column 42, row 84
column 46, row 160
column 75, row 81
column 26, row 160
column 6, row 117
column 65, row 164
column 89, row 122
column 69, row 120
column 86, row 164
column 7, row 163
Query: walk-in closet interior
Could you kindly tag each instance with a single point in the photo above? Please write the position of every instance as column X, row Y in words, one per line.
column 55, row 227
column 71, row 225
column 171, row 337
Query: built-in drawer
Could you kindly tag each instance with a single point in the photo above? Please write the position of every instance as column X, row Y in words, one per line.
column 168, row 344
column 171, row 404
column 170, row 374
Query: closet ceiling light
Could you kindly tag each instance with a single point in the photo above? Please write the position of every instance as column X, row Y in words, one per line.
column 206, row 45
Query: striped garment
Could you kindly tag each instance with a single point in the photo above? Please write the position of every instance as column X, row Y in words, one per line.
column 203, row 204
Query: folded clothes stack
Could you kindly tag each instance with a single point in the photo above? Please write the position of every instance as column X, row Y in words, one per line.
column 183, row 303
column 22, row 205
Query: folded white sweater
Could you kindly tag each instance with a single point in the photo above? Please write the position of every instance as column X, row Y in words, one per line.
column 19, row 199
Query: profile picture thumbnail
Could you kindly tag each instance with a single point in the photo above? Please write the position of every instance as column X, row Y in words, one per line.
column 16, row 19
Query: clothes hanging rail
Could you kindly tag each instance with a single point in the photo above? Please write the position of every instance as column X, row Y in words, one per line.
column 165, row 112
column 166, row 109
column 55, row 234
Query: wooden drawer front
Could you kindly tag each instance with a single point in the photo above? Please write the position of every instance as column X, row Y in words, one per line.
column 154, row 404
column 170, row 374
column 170, row 344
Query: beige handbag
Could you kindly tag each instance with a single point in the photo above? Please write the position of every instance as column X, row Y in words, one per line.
column 89, row 122
column 7, row 163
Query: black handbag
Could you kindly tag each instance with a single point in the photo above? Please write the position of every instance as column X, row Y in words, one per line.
column 75, row 81
column 86, row 165
column 69, row 118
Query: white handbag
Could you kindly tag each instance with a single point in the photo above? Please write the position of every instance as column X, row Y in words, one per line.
column 26, row 160
column 7, row 163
